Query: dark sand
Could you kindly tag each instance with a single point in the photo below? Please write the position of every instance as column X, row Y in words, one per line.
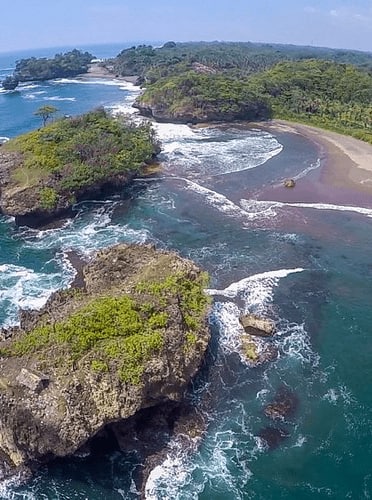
column 345, row 173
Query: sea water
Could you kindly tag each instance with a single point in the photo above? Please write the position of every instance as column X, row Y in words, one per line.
column 306, row 265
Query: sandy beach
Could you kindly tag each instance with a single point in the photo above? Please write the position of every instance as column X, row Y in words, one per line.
column 346, row 162
column 97, row 71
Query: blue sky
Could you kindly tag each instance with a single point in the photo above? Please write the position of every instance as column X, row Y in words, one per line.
column 49, row 23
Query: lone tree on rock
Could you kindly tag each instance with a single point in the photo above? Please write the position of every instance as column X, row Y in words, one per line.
column 45, row 112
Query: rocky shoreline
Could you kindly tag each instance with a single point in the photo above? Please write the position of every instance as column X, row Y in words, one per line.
column 55, row 400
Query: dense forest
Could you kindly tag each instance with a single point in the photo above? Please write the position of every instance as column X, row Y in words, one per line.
column 230, row 81
column 197, row 97
column 235, row 58
column 65, row 65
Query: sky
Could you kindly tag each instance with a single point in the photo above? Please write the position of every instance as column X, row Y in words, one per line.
column 28, row 24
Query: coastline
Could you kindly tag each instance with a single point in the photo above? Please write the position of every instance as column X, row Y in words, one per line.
column 96, row 71
column 346, row 161
column 345, row 173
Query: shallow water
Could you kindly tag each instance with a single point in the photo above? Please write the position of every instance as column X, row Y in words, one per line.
column 308, row 266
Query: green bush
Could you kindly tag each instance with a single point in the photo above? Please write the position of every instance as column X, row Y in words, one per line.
column 48, row 198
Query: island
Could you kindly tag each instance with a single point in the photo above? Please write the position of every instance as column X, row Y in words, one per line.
column 43, row 173
column 131, row 337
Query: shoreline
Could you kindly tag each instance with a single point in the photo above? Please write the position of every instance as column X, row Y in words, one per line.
column 96, row 71
column 345, row 172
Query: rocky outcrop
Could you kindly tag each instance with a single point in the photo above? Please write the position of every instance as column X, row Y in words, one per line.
column 289, row 183
column 189, row 114
column 254, row 325
column 23, row 203
column 84, row 362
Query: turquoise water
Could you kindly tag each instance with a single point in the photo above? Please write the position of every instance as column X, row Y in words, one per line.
column 307, row 266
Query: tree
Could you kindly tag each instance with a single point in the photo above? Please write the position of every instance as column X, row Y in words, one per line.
column 45, row 112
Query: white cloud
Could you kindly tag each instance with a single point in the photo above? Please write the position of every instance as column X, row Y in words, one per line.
column 352, row 14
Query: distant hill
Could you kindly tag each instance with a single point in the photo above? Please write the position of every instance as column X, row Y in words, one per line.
column 240, row 58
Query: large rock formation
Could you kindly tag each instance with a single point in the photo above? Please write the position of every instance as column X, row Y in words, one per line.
column 254, row 325
column 131, row 339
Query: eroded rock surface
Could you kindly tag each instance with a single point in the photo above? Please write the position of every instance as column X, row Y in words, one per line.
column 62, row 382
column 254, row 325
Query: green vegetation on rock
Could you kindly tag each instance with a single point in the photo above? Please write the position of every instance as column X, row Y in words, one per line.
column 322, row 93
column 111, row 329
column 199, row 97
column 70, row 156
column 190, row 295
column 65, row 65
column 48, row 198
column 121, row 332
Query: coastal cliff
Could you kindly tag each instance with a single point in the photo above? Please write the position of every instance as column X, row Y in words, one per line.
column 131, row 339
column 196, row 97
column 45, row 172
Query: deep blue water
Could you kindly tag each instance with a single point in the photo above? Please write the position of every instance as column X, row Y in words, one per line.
column 308, row 267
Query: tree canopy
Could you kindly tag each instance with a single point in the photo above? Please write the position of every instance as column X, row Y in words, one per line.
column 46, row 112
column 65, row 65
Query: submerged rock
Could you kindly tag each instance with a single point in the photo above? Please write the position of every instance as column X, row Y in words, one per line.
column 254, row 325
column 273, row 436
column 284, row 405
column 257, row 351
column 132, row 339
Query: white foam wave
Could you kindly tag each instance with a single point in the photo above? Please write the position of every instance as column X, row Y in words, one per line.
column 4, row 139
column 24, row 288
column 301, row 440
column 327, row 206
column 250, row 211
column 87, row 233
column 28, row 86
column 8, row 492
column 123, row 108
column 174, row 479
column 211, row 151
column 272, row 205
column 58, row 98
column 217, row 200
column 171, row 468
column 97, row 81
column 341, row 393
column 257, row 293
column 294, row 342
column 304, row 172
column 257, row 289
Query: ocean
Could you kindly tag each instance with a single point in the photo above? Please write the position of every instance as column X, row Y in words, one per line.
column 307, row 265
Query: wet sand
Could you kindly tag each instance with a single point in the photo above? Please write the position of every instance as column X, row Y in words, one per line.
column 345, row 174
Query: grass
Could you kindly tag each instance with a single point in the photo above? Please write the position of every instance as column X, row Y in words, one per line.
column 118, row 333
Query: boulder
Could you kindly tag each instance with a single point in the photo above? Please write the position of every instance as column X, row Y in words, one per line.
column 68, row 372
column 289, row 183
column 254, row 325
column 36, row 382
